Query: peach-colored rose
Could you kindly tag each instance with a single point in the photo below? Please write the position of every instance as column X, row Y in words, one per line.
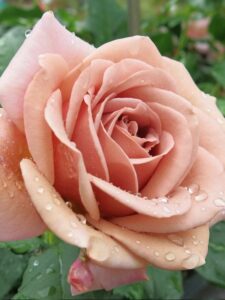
column 126, row 137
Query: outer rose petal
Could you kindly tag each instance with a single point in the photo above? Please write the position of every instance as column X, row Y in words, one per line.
column 85, row 276
column 188, row 89
column 167, row 252
column 18, row 217
column 70, row 228
column 48, row 36
column 38, row 133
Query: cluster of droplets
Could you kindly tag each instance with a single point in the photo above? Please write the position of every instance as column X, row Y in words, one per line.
column 191, row 260
column 199, row 196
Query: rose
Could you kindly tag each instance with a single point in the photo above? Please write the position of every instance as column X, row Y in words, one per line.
column 125, row 137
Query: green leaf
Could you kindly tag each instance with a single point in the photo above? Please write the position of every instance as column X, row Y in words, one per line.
column 171, row 282
column 11, row 270
column 214, row 269
column 164, row 42
column 132, row 291
column 209, row 88
column 164, row 284
column 106, row 20
column 21, row 247
column 46, row 274
column 218, row 72
column 9, row 44
column 221, row 104
column 12, row 15
column 217, row 27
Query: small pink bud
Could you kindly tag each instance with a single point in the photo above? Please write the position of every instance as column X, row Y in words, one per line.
column 79, row 277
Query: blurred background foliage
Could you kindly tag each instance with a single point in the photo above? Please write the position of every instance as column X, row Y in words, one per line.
column 191, row 31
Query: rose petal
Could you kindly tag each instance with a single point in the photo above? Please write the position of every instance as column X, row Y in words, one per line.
column 18, row 217
column 48, row 36
column 37, row 131
column 212, row 136
column 118, row 73
column 90, row 146
column 177, row 204
column 145, row 167
column 174, row 101
column 128, row 144
column 207, row 173
column 175, row 165
column 86, row 276
column 100, row 248
column 135, row 47
column 147, row 76
column 134, row 109
column 115, row 157
column 89, row 78
column 188, row 89
column 185, row 250
column 53, row 116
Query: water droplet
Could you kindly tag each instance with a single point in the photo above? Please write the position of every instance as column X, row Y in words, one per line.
column 187, row 251
column 170, row 256
column 219, row 202
column 18, row 185
column 70, row 234
column 147, row 247
column 191, row 262
column 40, row 190
column 50, row 270
column 166, row 209
column 142, row 81
column 201, row 196
column 11, row 194
column 194, row 237
column 56, row 199
column 116, row 249
column 73, row 224
column 193, row 188
column 4, row 184
column 156, row 253
column 163, row 199
column 82, row 219
column 195, row 242
column 203, row 209
column 176, row 239
column 138, row 242
column 69, row 204
column 48, row 207
column 36, row 263
column 36, row 179
column 27, row 32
